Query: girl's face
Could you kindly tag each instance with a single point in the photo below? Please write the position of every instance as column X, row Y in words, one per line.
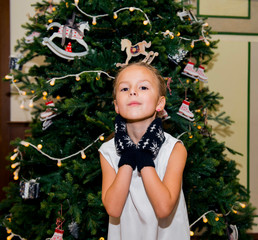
column 137, row 94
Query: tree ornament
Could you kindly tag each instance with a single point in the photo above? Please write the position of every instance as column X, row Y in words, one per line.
column 187, row 15
column 163, row 115
column 201, row 76
column 233, row 232
column 30, row 38
column 74, row 229
column 69, row 47
column 29, row 189
column 14, row 62
column 71, row 31
column 185, row 112
column 136, row 50
column 178, row 57
column 190, row 71
column 49, row 113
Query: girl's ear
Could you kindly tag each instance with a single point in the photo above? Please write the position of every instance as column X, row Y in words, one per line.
column 161, row 104
column 116, row 107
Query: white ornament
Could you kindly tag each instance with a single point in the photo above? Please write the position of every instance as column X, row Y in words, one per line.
column 68, row 33
column 136, row 50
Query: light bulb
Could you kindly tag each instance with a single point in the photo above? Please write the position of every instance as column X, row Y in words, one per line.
column 217, row 219
column 8, row 77
column 145, row 22
column 98, row 76
column 76, row 2
column 52, row 82
column 192, row 44
column 23, row 93
column 14, row 156
column 50, row 20
column 8, row 230
column 191, row 233
column 44, row 93
column 94, row 21
column 77, row 78
column 101, row 138
column 83, row 156
column 14, row 165
column 131, row 9
column 207, row 42
column 115, row 15
column 39, row 146
column 242, row 205
column 205, row 220
column 234, row 211
column 26, row 144
column 22, row 105
column 59, row 163
column 31, row 103
column 178, row 34
column 10, row 237
column 206, row 24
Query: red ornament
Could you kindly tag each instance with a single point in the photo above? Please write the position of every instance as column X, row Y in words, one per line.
column 69, row 47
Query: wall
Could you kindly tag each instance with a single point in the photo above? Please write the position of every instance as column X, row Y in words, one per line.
column 232, row 73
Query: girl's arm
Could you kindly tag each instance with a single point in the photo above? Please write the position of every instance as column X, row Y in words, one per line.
column 164, row 194
column 115, row 187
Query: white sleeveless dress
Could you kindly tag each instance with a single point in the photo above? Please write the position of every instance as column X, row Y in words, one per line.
column 138, row 220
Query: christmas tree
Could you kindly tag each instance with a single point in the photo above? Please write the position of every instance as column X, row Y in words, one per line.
column 57, row 175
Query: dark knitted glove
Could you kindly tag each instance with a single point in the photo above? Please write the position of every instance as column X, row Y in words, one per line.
column 142, row 154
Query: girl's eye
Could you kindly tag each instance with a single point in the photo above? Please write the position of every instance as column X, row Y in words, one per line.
column 124, row 89
column 143, row 88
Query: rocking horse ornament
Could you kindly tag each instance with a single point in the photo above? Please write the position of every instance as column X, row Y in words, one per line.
column 71, row 31
column 136, row 50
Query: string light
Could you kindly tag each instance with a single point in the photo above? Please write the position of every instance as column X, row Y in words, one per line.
column 16, row 174
column 59, row 163
column 115, row 16
column 83, row 156
column 52, row 82
column 77, row 75
column 14, row 165
column 31, row 103
column 39, row 146
column 76, row 2
column 94, row 21
column 205, row 220
column 13, row 157
column 22, row 105
column 59, row 160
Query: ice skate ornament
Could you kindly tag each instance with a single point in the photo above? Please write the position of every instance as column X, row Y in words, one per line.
column 67, row 32
column 163, row 115
column 185, row 112
column 234, row 234
column 136, row 50
column 192, row 72
column 49, row 113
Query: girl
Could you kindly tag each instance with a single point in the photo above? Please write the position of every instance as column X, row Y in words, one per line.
column 142, row 166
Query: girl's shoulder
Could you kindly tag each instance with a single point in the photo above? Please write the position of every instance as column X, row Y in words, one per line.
column 170, row 140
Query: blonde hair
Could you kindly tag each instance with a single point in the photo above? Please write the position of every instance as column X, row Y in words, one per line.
column 153, row 70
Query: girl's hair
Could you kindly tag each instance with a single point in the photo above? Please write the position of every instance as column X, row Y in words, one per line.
column 154, row 71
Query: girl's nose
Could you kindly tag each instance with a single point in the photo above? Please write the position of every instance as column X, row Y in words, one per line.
column 132, row 93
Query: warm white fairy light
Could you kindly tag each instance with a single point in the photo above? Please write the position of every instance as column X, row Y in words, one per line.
column 115, row 16
column 202, row 38
column 16, row 174
column 83, row 156
column 78, row 78
column 14, row 156
column 14, row 165
column 59, row 160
